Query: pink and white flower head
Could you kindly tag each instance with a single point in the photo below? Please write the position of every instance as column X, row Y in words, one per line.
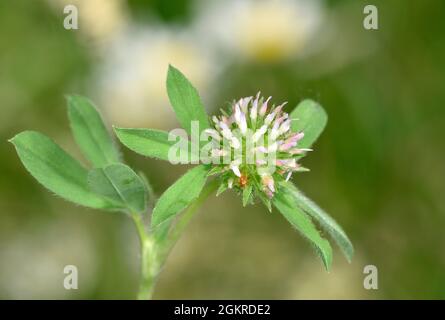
column 254, row 147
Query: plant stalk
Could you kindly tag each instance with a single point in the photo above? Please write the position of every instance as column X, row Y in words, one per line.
column 153, row 255
column 184, row 220
column 149, row 263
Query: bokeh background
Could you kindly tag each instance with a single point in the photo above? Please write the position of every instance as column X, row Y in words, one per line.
column 378, row 168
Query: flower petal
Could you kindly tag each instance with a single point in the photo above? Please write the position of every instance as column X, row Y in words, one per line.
column 235, row 170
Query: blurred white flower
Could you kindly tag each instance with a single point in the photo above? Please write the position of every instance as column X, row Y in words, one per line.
column 99, row 20
column 132, row 78
column 260, row 30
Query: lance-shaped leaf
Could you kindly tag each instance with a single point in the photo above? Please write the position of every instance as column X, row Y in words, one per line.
column 179, row 195
column 285, row 203
column 55, row 169
column 151, row 197
column 326, row 222
column 310, row 118
column 167, row 233
column 121, row 185
column 185, row 100
column 90, row 133
column 155, row 144
column 161, row 232
column 247, row 194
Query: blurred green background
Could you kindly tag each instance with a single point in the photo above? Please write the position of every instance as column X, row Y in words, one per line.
column 378, row 169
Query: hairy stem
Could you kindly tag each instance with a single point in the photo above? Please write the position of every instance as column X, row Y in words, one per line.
column 184, row 220
column 154, row 252
column 149, row 263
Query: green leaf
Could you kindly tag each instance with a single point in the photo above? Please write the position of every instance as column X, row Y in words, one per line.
column 121, row 185
column 151, row 143
column 179, row 195
column 90, row 133
column 161, row 232
column 55, row 169
column 265, row 200
column 216, row 170
column 327, row 223
column 185, row 100
column 222, row 187
column 149, row 189
column 285, row 203
column 310, row 118
column 247, row 193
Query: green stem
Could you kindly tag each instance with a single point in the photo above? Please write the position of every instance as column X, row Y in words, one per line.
column 191, row 210
column 149, row 263
column 185, row 218
column 153, row 255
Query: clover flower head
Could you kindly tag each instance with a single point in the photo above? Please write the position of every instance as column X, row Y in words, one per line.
column 254, row 147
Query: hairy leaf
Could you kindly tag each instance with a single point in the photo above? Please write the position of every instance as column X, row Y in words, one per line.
column 310, row 118
column 90, row 133
column 179, row 195
column 247, row 194
column 121, row 185
column 222, row 187
column 185, row 100
column 55, row 169
column 288, row 208
column 327, row 223
column 152, row 143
